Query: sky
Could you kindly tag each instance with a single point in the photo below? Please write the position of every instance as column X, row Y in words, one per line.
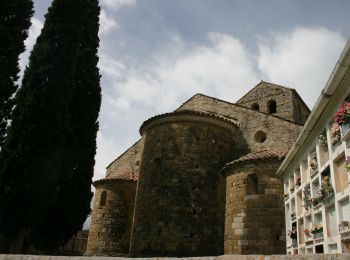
column 156, row 54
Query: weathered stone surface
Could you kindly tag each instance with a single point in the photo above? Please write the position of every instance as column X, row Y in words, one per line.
column 111, row 222
column 127, row 163
column 289, row 104
column 280, row 134
column 182, row 206
column 184, row 217
column 261, row 216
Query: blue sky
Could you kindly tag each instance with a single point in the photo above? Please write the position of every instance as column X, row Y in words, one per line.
column 155, row 54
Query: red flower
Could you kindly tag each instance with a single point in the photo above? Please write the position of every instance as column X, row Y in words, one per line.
column 342, row 116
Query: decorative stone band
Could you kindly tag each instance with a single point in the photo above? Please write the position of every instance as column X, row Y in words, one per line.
column 190, row 116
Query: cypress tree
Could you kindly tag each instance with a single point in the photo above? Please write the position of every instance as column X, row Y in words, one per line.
column 48, row 158
column 14, row 24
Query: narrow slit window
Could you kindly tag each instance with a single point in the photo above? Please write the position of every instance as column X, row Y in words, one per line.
column 103, row 198
column 272, row 107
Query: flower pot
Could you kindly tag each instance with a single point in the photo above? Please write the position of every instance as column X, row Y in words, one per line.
column 318, row 235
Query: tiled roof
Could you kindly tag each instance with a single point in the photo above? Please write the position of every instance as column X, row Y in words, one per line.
column 227, row 119
column 259, row 155
column 127, row 176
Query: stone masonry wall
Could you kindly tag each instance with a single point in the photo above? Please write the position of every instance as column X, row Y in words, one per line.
column 180, row 199
column 265, row 92
column 280, row 134
column 254, row 215
column 111, row 223
column 301, row 114
column 285, row 98
column 128, row 162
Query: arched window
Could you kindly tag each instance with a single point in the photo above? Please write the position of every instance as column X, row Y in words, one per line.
column 103, row 198
column 271, row 107
column 252, row 184
column 255, row 107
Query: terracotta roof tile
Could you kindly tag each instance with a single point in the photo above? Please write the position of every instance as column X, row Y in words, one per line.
column 127, row 176
column 227, row 119
column 259, row 155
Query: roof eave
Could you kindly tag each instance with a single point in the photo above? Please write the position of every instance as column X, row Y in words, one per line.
column 317, row 117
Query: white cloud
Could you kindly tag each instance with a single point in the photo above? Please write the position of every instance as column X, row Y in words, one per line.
column 110, row 67
column 302, row 59
column 107, row 151
column 222, row 69
column 116, row 4
column 107, row 23
column 34, row 32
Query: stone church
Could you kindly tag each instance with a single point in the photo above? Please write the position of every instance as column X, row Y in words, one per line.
column 201, row 180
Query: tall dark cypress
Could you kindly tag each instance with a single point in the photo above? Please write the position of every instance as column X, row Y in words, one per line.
column 14, row 24
column 48, row 158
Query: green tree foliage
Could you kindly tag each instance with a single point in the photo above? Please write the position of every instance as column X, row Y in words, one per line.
column 14, row 24
column 48, row 158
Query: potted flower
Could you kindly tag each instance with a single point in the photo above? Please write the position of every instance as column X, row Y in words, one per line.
column 318, row 199
column 293, row 235
column 326, row 188
column 322, row 139
column 307, row 231
column 292, row 189
column 344, row 225
column 313, row 162
column 315, row 201
column 335, row 134
column 317, row 230
column 342, row 117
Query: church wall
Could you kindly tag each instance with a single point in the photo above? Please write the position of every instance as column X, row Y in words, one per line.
column 280, row 134
column 128, row 162
column 264, row 93
column 180, row 198
column 254, row 209
column 301, row 114
column 111, row 220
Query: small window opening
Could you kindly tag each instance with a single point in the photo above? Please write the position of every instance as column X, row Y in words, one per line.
column 255, row 107
column 272, row 107
column 260, row 137
column 158, row 161
column 252, row 184
column 103, row 198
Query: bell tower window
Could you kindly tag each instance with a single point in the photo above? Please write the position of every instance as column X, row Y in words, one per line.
column 255, row 107
column 272, row 107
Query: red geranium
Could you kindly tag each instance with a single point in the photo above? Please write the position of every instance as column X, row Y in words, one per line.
column 342, row 116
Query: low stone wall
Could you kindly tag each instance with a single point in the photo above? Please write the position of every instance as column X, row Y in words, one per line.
column 224, row 257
